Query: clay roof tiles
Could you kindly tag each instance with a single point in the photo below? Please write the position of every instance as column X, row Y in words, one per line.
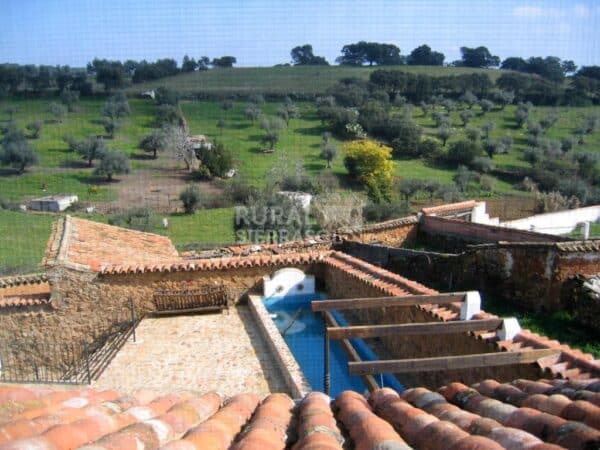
column 449, row 208
column 457, row 417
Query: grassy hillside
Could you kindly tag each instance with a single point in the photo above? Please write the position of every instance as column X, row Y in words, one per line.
column 282, row 80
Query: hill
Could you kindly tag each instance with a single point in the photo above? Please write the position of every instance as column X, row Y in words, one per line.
column 283, row 80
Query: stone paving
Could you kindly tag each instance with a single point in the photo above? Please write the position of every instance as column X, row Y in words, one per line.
column 222, row 352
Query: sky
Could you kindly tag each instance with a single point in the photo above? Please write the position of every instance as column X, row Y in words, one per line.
column 262, row 32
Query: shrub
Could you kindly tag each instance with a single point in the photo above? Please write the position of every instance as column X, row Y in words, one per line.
column 239, row 191
column 378, row 212
column 430, row 149
column 113, row 163
column 35, row 128
column 217, row 160
column 370, row 163
column 554, row 201
column 463, row 177
column 191, row 198
column 487, row 183
column 482, row 164
column 463, row 152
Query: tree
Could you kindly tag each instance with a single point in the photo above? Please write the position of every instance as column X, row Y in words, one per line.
column 35, row 128
column 548, row 121
column 371, row 164
column 473, row 133
column 507, row 143
column 224, row 61
column 302, row 55
column 463, row 152
column 466, row 115
column 491, row 147
column 370, row 52
column 486, row 105
column 568, row 66
column 221, row 125
column 589, row 72
column 252, row 112
column 406, row 137
column 110, row 126
column 91, row 149
column 272, row 126
column 329, row 151
column 69, row 98
column 549, row 68
column 113, row 163
column 514, row 63
column 503, row 98
column 567, row 144
column 482, row 164
column 17, row 152
column 58, row 111
column 116, row 106
column 166, row 96
column 191, row 197
column 188, row 64
column 177, row 141
column 216, row 161
column 521, row 116
column 203, row 63
column 478, row 57
column 288, row 111
column 424, row 56
column 463, row 177
column 154, row 142
column 109, row 73
column 167, row 115
column 469, row 98
column 409, row 187
column 444, row 133
column 488, row 127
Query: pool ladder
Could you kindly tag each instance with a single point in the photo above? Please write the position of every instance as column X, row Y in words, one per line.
column 295, row 317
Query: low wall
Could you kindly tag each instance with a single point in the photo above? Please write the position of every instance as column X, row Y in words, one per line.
column 453, row 235
column 528, row 275
column 560, row 222
column 394, row 233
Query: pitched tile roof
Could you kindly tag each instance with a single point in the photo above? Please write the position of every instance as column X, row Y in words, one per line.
column 449, row 208
column 89, row 245
column 457, row 417
column 18, row 280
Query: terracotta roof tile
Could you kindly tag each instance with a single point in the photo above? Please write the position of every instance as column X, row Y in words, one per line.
column 455, row 417
column 449, row 208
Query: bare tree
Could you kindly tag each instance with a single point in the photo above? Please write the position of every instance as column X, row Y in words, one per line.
column 177, row 141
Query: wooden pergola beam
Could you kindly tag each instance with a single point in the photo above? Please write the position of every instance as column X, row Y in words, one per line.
column 448, row 362
column 413, row 329
column 382, row 302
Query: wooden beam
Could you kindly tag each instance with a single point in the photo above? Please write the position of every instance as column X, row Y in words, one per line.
column 352, row 354
column 382, row 302
column 449, row 362
column 413, row 329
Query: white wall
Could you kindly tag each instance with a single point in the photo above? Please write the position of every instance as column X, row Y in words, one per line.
column 561, row 222
column 288, row 281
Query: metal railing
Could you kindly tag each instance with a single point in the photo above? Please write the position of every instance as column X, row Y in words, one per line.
column 190, row 300
column 36, row 361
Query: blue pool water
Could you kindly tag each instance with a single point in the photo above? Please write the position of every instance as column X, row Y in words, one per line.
column 305, row 339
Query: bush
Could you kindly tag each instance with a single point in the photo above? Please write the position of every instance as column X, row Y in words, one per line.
column 430, row 149
column 113, row 163
column 378, row 212
column 463, row 152
column 191, row 198
column 239, row 191
column 217, row 160
column 482, row 164
column 35, row 128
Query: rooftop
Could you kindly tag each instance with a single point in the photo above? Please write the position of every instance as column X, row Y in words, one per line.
column 523, row 414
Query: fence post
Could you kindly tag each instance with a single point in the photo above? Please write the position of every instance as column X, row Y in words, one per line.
column 87, row 364
column 132, row 308
column 326, row 374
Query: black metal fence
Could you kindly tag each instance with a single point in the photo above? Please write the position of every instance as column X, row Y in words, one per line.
column 37, row 361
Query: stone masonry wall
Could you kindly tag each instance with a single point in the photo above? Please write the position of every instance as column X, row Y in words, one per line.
column 340, row 285
column 396, row 236
column 86, row 305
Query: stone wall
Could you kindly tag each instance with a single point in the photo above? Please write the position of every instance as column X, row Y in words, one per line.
column 531, row 276
column 402, row 232
column 340, row 285
column 86, row 305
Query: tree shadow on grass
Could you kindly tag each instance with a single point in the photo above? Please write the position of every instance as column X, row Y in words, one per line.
column 310, row 131
column 143, row 156
column 239, row 126
column 7, row 171
column 74, row 164
column 255, row 137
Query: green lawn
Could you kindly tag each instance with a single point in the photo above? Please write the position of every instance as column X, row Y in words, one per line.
column 206, row 226
column 283, row 80
column 23, row 239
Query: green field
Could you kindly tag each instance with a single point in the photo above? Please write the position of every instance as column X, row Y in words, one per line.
column 283, row 80
column 64, row 172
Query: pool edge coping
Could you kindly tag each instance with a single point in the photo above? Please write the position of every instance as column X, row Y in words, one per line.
column 292, row 373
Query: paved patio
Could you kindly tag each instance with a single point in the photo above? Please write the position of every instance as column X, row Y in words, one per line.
column 222, row 352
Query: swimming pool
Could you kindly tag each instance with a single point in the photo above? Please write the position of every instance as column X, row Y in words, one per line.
column 302, row 331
